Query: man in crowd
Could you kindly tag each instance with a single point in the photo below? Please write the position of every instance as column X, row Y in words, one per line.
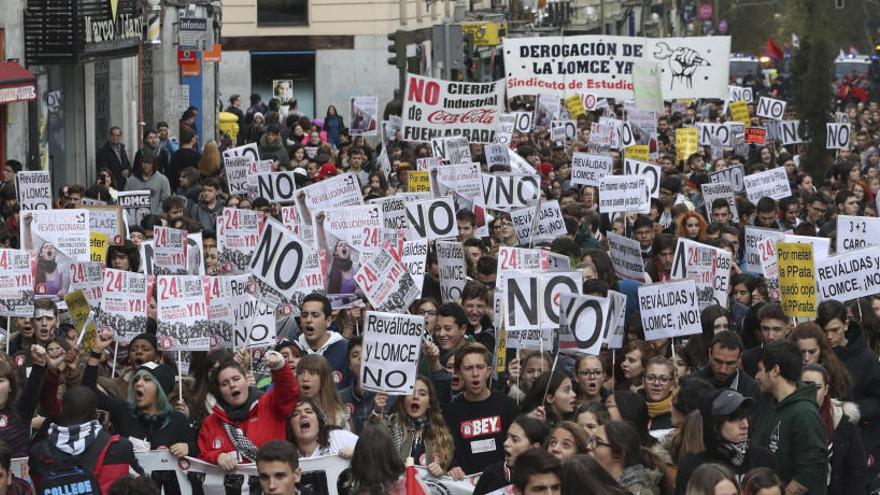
column 114, row 157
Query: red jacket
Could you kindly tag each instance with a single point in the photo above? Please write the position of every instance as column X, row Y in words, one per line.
column 267, row 419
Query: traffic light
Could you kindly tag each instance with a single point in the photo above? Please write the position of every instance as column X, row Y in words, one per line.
column 398, row 48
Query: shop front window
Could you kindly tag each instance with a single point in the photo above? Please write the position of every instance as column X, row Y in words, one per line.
column 282, row 12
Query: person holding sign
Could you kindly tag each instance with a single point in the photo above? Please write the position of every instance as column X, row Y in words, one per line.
column 243, row 420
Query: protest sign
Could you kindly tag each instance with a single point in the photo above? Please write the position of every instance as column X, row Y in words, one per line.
column 414, row 258
column 740, row 93
column 182, row 314
column 510, row 191
column 512, row 258
column 169, row 251
column 583, row 320
column 453, row 270
column 602, row 65
column 82, row 317
column 797, row 279
column 393, row 212
column 651, row 172
column 770, row 267
column 250, row 150
column 123, row 304
column 601, row 139
column 669, row 309
column 98, row 244
column 432, row 219
column 357, row 225
column 753, row 253
column 639, row 152
column 463, row 178
column 771, row 183
column 418, row 181
column 647, row 88
column 588, row 170
column 16, row 283
column 519, row 165
column 532, row 302
column 548, row 226
column 756, row 135
column 624, row 193
column 219, row 307
column 821, row 245
column 34, row 190
column 505, row 125
column 856, row 233
column 837, row 136
column 496, row 154
column 237, row 173
column 739, row 111
column 237, row 234
column 135, row 204
column 385, row 282
column 107, row 220
column 708, row 131
column 364, row 115
column 709, row 268
column 254, row 321
column 575, row 105
column 626, row 257
column 686, row 143
column 435, row 108
column 546, row 109
column 454, row 149
column 720, row 190
column 770, row 108
column 392, row 343
column 279, row 258
column 87, row 277
column 59, row 238
column 848, row 276
column 277, row 187
column 340, row 190
column 733, row 175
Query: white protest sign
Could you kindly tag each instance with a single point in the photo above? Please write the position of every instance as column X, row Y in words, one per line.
column 792, row 132
column 707, row 132
column 385, row 282
column 465, row 179
column 626, row 257
column 624, row 193
column 848, row 276
column 169, row 251
column 392, row 343
column 250, row 150
column 550, row 224
column 740, row 93
column 512, row 258
column 135, row 204
column 182, row 314
column 733, row 175
column 651, row 172
column 532, row 302
column 358, row 225
column 34, row 190
column 237, row 234
column 770, row 108
column 510, row 191
column 341, row 190
column 123, row 304
column 87, row 276
column 669, row 309
column 432, row 219
column 519, row 165
column 277, row 187
column 856, row 233
column 691, row 67
column 589, row 169
column 394, row 209
column 254, row 321
column 435, row 108
column 219, row 305
column 709, row 268
column 414, row 258
column 720, row 190
column 770, row 267
column 615, row 332
column 837, row 136
column 583, row 320
column 505, row 125
column 279, row 258
column 496, row 154
column 771, row 183
column 451, row 149
column 107, row 220
column 16, row 284
column 237, row 171
column 453, row 270
column 364, row 115
column 753, row 254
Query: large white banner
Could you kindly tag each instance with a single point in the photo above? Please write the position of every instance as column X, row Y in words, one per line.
column 392, row 343
column 694, row 67
column 435, row 108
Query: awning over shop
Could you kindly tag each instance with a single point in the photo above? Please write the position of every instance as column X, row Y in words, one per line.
column 16, row 83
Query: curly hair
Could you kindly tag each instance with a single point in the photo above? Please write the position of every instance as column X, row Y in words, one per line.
column 681, row 228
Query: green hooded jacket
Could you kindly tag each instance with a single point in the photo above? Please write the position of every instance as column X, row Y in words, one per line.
column 793, row 432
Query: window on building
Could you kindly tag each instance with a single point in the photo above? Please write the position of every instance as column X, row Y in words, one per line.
column 282, row 12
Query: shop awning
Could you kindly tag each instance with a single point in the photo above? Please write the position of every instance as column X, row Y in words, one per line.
column 16, row 83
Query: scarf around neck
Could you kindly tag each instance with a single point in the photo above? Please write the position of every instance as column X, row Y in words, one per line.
column 74, row 439
column 241, row 412
column 660, row 408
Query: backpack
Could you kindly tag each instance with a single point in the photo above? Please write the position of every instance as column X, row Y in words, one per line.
column 70, row 478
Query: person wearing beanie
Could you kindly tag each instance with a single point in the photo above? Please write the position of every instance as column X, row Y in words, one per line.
column 147, row 418
column 143, row 348
column 725, row 415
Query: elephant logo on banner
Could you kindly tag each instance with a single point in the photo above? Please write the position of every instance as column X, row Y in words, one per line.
column 683, row 62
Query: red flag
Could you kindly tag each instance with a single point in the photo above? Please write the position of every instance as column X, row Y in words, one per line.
column 773, row 51
column 413, row 485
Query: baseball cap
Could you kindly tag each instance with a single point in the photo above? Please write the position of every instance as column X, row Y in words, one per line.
column 729, row 401
column 558, row 145
column 325, row 171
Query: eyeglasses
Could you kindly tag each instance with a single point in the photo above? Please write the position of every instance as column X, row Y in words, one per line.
column 501, row 225
column 590, row 373
column 593, row 442
column 661, row 379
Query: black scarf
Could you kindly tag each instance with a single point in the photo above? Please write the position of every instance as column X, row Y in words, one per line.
column 734, row 453
column 241, row 412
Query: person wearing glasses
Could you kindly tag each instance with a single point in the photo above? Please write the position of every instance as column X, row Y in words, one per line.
column 659, row 381
column 590, row 375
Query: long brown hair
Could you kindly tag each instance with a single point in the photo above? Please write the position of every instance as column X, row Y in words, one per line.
column 10, row 372
column 327, row 400
column 436, row 433
column 841, row 381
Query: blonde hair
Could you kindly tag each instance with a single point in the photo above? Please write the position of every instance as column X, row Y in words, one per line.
column 209, row 162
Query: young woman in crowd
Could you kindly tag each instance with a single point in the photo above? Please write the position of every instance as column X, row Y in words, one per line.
column 376, row 468
column 567, row 439
column 815, row 349
column 631, row 368
column 522, row 372
column 309, row 431
column 551, row 398
column 616, row 447
column 659, row 382
column 590, row 374
column 713, row 479
column 524, row 433
column 315, row 379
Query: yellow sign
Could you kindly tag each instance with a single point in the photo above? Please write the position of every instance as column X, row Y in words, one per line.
column 797, row 278
column 739, row 110
column 419, row 181
column 501, row 357
column 98, row 243
column 485, row 33
column 575, row 106
column 685, row 143
column 79, row 309
column 639, row 152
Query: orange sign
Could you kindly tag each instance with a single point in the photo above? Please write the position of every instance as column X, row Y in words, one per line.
column 191, row 69
column 214, row 54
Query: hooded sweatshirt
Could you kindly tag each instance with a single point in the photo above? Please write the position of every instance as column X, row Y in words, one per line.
column 158, row 186
column 274, row 151
column 335, row 350
column 792, row 430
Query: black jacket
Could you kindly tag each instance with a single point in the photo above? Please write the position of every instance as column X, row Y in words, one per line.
column 746, row 386
column 493, row 478
column 864, row 367
column 848, row 467
column 106, row 157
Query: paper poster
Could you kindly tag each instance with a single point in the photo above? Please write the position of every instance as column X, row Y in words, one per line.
column 182, row 313
column 453, row 270
column 108, row 220
column 626, row 257
column 647, row 86
column 454, row 149
column 589, row 169
column 856, row 233
column 771, row 183
column 169, row 251
column 364, row 115
column 59, row 238
column 848, row 276
column 709, row 268
column 123, row 304
column 686, row 143
column 34, row 190
column 548, row 225
column 87, row 277
column 753, row 253
column 135, row 204
column 432, row 219
column 386, row 283
column 340, row 190
column 734, row 175
column 254, row 321
column 797, row 279
column 651, row 172
column 582, row 322
column 277, row 187
column 532, row 302
column 238, row 232
column 669, row 309
column 463, row 178
column 278, row 261
column 418, row 181
column 510, row 191
column 16, row 283
column 624, row 193
column 219, row 307
column 720, row 190
column 392, row 344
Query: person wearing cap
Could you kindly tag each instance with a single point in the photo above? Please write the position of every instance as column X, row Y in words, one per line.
column 725, row 415
column 272, row 148
column 326, row 170
column 143, row 348
column 790, row 425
